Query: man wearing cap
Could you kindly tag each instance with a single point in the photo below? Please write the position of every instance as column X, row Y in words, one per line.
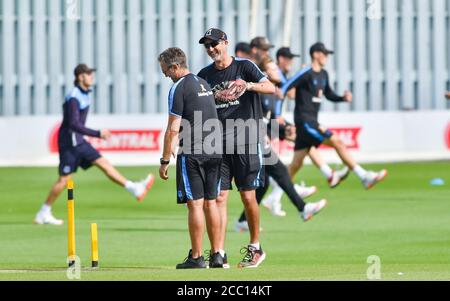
column 243, row 50
column 260, row 50
column 75, row 151
column 243, row 160
column 279, row 76
column 311, row 84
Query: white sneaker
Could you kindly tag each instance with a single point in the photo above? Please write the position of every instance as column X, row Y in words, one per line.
column 267, row 202
column 143, row 187
column 312, row 209
column 305, row 192
column 338, row 177
column 277, row 210
column 343, row 173
column 47, row 219
column 273, row 206
column 373, row 178
column 242, row 227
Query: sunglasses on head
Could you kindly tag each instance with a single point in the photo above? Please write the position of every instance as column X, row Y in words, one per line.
column 212, row 44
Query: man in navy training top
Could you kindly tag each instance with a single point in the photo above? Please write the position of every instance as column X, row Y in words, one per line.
column 243, row 161
column 75, row 151
column 191, row 107
column 311, row 84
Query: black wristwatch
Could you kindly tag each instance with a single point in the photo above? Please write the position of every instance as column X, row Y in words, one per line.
column 164, row 162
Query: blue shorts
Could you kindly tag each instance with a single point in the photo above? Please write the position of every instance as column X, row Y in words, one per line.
column 83, row 155
column 247, row 171
column 198, row 177
column 310, row 134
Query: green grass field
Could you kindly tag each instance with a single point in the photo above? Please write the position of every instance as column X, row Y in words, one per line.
column 404, row 221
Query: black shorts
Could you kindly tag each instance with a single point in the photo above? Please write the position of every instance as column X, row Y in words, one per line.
column 310, row 134
column 71, row 158
column 246, row 170
column 198, row 177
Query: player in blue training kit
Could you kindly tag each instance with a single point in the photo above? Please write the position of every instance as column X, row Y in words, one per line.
column 75, row 151
column 278, row 74
column 243, row 159
column 198, row 169
column 311, row 84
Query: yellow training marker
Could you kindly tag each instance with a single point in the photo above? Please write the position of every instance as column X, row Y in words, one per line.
column 71, row 223
column 94, row 245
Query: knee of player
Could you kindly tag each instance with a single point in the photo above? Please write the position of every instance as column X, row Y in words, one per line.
column 248, row 200
column 210, row 204
column 63, row 180
column 196, row 205
column 222, row 198
column 337, row 142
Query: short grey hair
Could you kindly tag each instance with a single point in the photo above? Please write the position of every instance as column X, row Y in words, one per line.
column 173, row 56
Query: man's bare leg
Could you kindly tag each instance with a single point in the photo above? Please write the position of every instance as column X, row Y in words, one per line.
column 45, row 216
column 139, row 190
column 222, row 202
column 196, row 222
column 334, row 177
column 252, row 213
column 57, row 189
column 369, row 179
column 110, row 171
column 342, row 151
column 213, row 224
column 297, row 162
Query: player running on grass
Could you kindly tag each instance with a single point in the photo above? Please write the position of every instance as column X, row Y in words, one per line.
column 276, row 169
column 311, row 84
column 198, row 170
column 75, row 151
column 280, row 175
column 278, row 74
column 243, row 159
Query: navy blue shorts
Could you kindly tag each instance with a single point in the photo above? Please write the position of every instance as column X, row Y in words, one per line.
column 247, row 171
column 310, row 134
column 198, row 177
column 83, row 155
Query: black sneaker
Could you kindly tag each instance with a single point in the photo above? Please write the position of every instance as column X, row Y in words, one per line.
column 253, row 257
column 215, row 261
column 191, row 263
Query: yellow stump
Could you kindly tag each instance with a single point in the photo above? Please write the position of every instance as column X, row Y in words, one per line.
column 71, row 223
column 94, row 245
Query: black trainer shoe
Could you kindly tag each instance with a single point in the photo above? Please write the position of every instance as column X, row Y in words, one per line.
column 216, row 261
column 192, row 263
column 253, row 257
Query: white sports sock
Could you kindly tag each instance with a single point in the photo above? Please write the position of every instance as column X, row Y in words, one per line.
column 130, row 186
column 277, row 192
column 257, row 246
column 46, row 209
column 360, row 172
column 222, row 253
column 326, row 171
